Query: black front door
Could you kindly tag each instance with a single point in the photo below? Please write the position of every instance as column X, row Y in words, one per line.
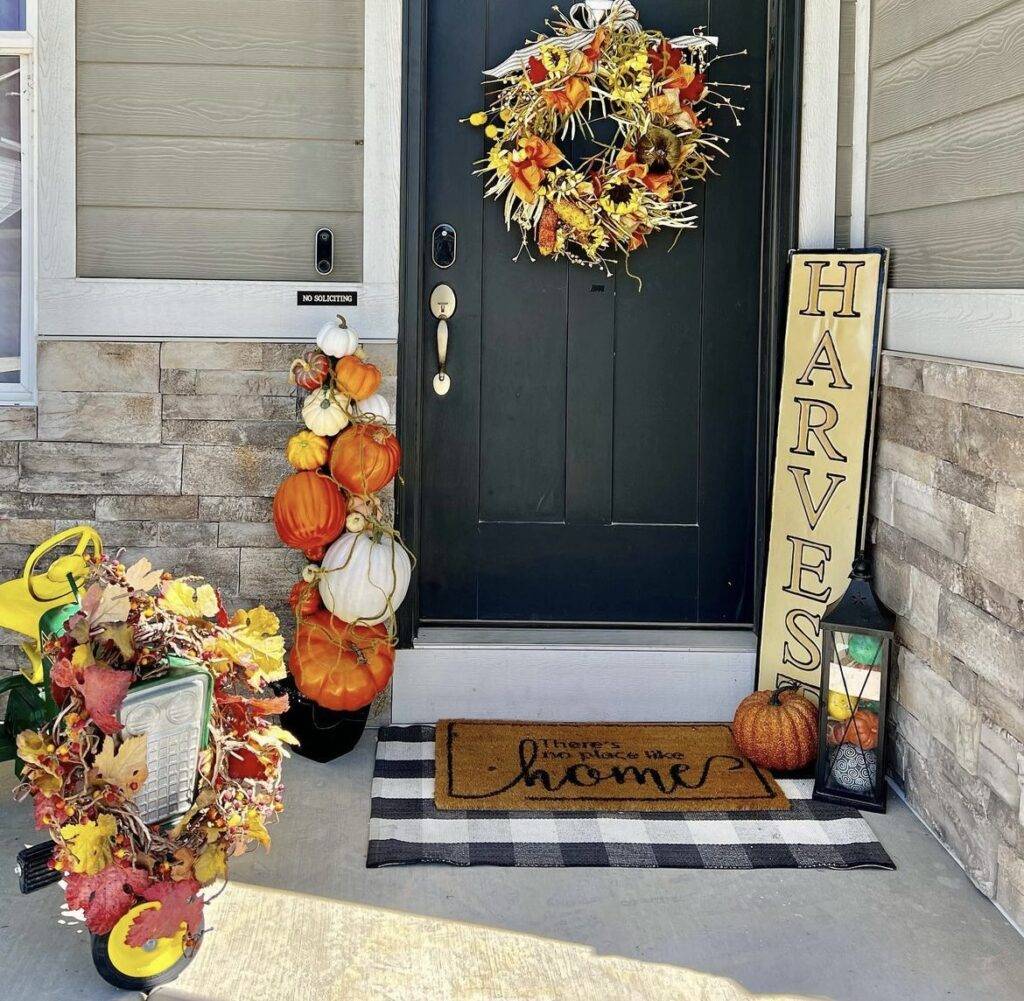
column 594, row 460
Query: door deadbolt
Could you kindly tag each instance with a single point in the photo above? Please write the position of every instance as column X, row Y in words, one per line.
column 444, row 246
column 442, row 305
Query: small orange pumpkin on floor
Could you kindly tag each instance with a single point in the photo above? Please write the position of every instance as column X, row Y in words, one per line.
column 777, row 729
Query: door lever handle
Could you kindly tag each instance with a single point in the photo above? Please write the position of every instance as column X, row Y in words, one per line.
column 442, row 305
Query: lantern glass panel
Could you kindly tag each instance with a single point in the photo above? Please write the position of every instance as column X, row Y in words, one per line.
column 854, row 703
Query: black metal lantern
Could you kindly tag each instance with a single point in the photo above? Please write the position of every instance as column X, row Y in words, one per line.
column 857, row 644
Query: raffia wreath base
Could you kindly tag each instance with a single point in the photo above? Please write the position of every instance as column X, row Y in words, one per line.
column 603, row 66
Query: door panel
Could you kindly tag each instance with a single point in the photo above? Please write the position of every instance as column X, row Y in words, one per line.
column 594, row 461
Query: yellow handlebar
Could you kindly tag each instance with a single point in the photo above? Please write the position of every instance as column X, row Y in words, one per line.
column 24, row 599
column 53, row 585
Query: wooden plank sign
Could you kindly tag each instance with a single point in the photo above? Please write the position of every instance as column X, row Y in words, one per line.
column 822, row 453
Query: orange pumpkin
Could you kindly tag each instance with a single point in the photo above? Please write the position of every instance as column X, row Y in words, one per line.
column 356, row 378
column 777, row 729
column 860, row 729
column 365, row 458
column 305, row 598
column 338, row 665
column 309, row 513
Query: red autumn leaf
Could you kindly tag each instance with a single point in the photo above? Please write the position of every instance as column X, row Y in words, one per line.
column 243, row 764
column 257, row 707
column 693, row 90
column 665, row 58
column 536, row 71
column 45, row 808
column 107, row 896
column 180, row 904
column 104, row 690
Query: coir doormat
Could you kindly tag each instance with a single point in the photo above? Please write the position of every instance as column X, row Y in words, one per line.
column 597, row 767
column 407, row 828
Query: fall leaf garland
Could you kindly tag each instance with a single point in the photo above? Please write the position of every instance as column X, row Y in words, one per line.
column 84, row 771
column 654, row 94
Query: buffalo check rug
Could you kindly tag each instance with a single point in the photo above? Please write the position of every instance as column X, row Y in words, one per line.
column 407, row 828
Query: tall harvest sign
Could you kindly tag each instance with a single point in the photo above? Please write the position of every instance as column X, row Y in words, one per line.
column 822, row 459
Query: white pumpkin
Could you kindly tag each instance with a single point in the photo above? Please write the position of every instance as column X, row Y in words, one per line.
column 373, row 406
column 363, row 579
column 324, row 413
column 337, row 340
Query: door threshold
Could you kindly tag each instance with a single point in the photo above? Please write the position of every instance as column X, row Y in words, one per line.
column 518, row 638
column 586, row 675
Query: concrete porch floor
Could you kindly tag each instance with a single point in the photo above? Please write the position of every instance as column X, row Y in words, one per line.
column 917, row 934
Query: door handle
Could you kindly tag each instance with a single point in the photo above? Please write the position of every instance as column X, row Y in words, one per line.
column 442, row 305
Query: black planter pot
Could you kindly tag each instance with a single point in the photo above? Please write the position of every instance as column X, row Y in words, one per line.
column 323, row 734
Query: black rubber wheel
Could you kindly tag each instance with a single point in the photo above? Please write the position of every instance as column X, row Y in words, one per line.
column 113, row 976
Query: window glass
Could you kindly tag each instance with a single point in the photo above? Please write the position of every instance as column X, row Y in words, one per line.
column 12, row 15
column 10, row 219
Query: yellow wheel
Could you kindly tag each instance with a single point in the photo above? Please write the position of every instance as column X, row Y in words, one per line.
column 139, row 967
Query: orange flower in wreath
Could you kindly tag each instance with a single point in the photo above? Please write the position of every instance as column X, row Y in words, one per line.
column 627, row 164
column 529, row 165
column 568, row 99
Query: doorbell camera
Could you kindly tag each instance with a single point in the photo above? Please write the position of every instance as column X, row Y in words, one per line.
column 324, row 251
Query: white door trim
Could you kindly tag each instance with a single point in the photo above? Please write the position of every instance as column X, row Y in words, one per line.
column 819, row 125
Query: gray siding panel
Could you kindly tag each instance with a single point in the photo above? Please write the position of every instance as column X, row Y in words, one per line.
column 946, row 141
column 245, row 101
column 925, row 167
column 187, row 172
column 224, row 32
column 259, row 246
column 215, row 138
column 900, row 26
column 978, row 244
column 844, row 141
column 959, row 73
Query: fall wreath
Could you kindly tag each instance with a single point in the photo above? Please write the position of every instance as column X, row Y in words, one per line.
column 86, row 771
column 651, row 94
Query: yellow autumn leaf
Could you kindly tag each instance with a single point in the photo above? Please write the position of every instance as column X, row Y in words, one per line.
column 252, row 641
column 124, row 768
column 256, row 829
column 90, row 843
column 274, row 736
column 32, row 748
column 83, row 656
column 211, row 865
column 192, row 602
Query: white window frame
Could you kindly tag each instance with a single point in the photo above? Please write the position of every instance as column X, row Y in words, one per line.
column 21, row 43
column 149, row 309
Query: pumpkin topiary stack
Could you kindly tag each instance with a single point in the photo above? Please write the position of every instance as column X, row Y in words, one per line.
column 330, row 509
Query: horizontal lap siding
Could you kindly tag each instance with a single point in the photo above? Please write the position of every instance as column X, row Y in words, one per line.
column 214, row 139
column 945, row 174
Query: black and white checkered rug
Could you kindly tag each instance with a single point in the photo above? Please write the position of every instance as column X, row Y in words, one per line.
column 406, row 827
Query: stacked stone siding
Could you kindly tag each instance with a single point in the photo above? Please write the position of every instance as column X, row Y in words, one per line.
column 170, row 450
column 948, row 504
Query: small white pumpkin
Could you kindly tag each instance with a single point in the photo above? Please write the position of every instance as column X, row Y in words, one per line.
column 337, row 340
column 356, row 522
column 373, row 406
column 364, row 579
column 324, row 413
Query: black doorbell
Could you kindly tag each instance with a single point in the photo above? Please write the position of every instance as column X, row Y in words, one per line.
column 324, row 251
column 444, row 246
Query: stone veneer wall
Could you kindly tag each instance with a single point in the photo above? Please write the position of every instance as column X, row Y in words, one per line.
column 948, row 504
column 172, row 450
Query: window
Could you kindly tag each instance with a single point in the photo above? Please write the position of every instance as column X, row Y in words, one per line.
column 17, row 293
column 190, row 152
column 216, row 140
